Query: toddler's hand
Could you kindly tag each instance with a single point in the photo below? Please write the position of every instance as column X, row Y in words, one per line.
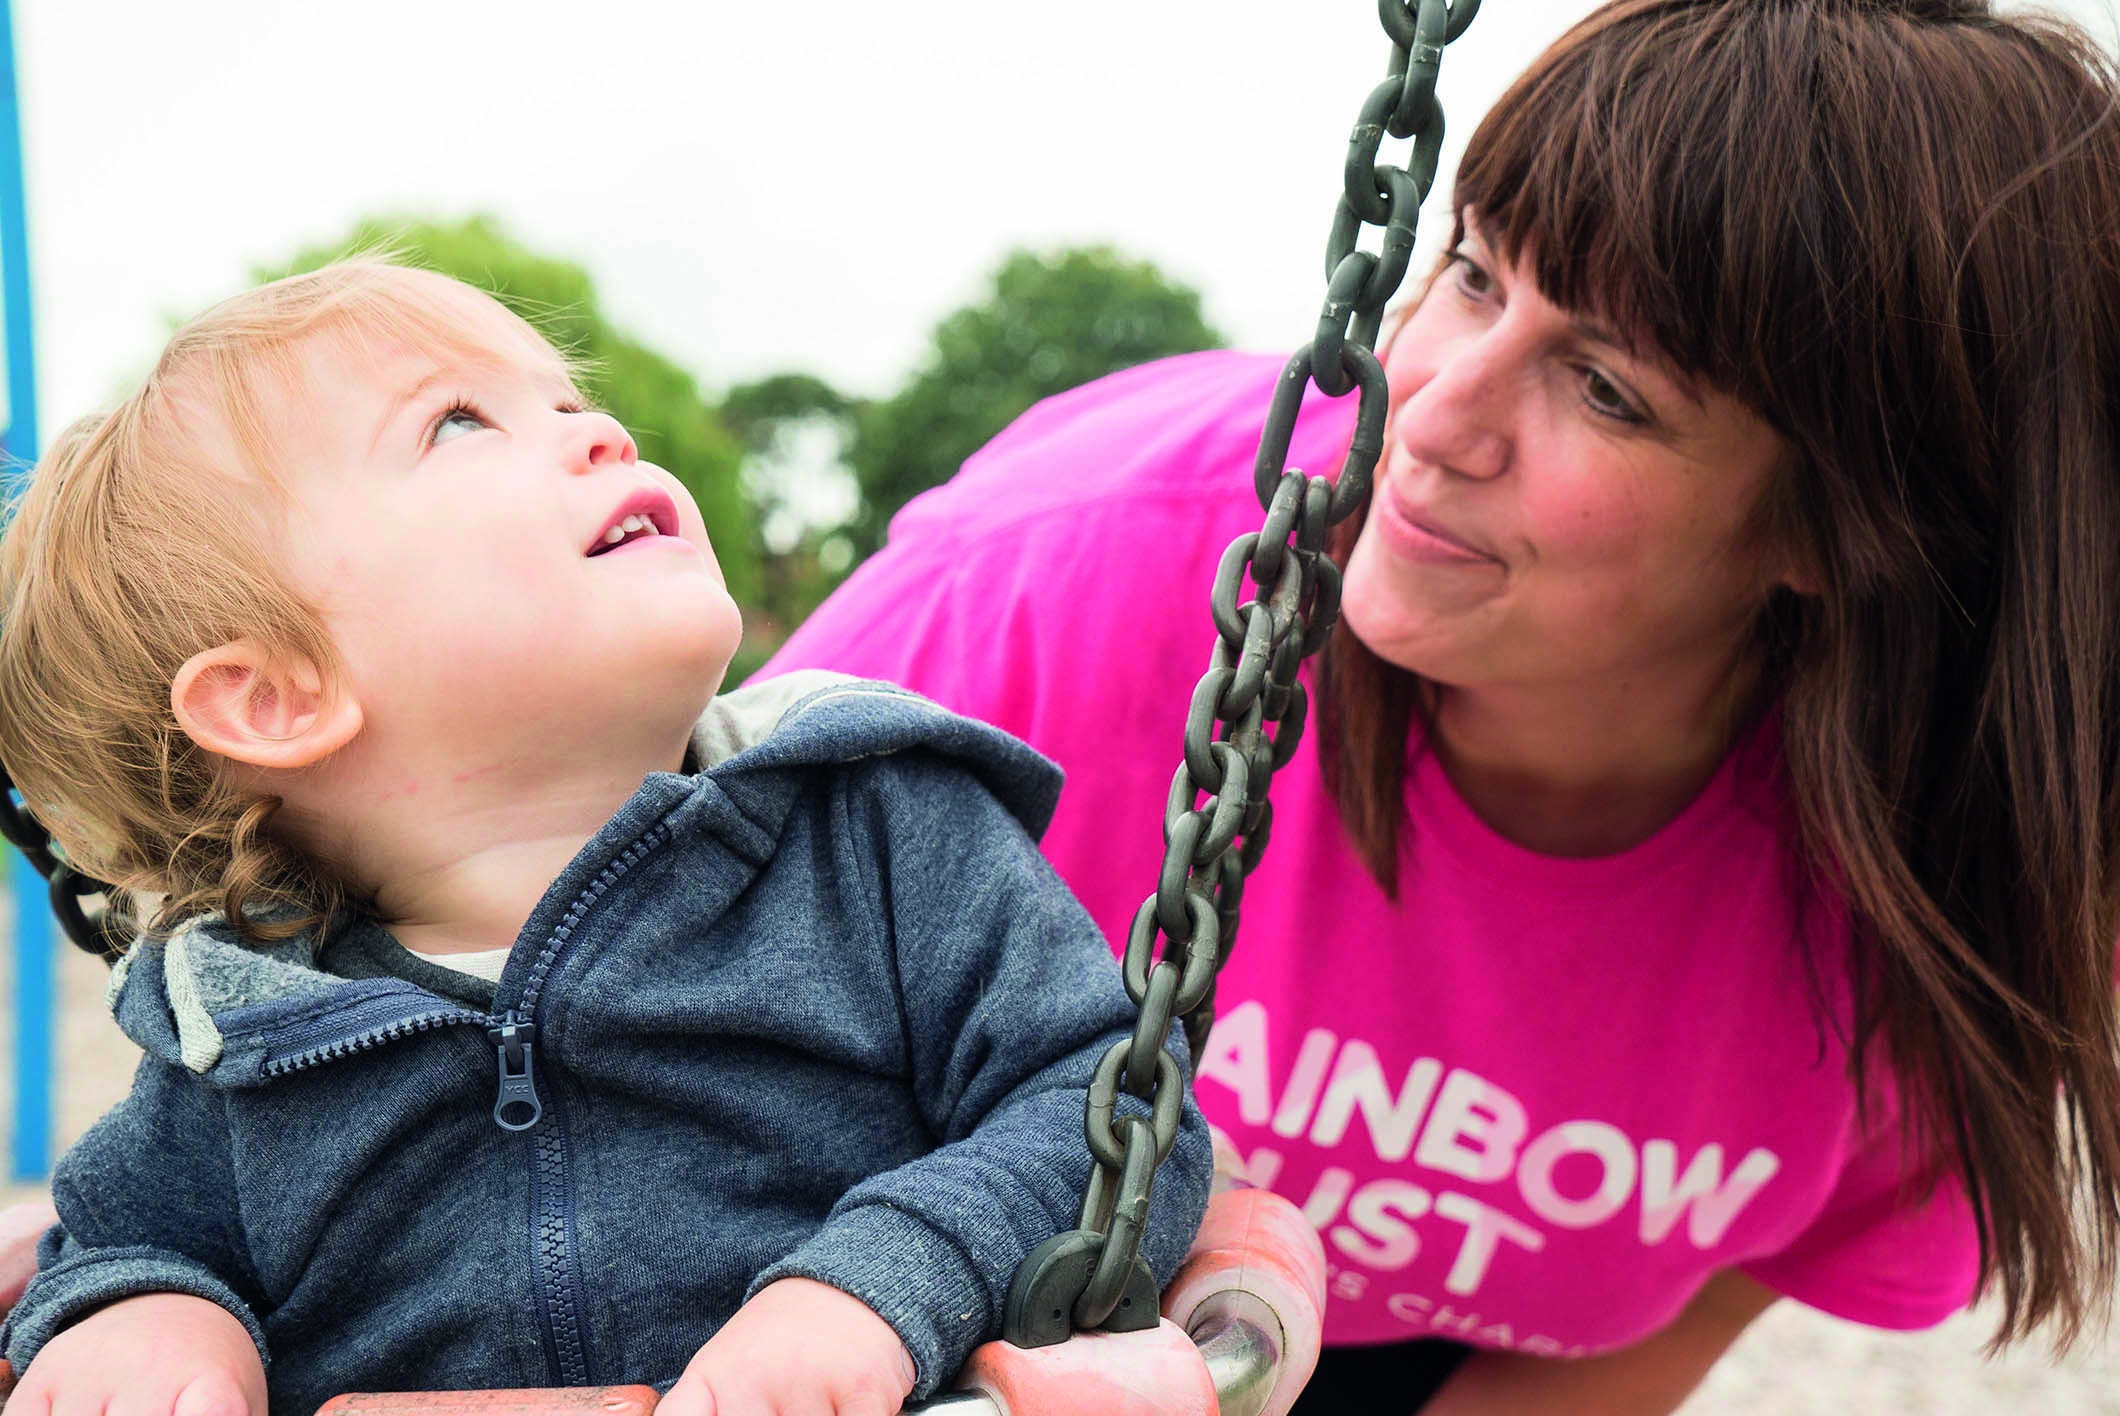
column 162, row 1354
column 799, row 1348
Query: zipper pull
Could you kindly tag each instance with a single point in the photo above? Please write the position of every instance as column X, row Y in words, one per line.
column 517, row 1107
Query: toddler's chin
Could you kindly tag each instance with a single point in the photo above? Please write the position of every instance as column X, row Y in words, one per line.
column 710, row 634
column 688, row 658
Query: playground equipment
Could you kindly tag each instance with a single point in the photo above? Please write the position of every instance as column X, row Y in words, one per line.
column 1238, row 1331
column 30, row 1155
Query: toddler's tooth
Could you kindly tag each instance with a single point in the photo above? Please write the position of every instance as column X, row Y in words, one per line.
column 615, row 534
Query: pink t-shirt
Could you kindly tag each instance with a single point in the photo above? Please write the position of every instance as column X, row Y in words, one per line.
column 1535, row 1102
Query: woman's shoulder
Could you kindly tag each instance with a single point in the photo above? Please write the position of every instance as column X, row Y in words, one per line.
column 1170, row 433
column 1073, row 554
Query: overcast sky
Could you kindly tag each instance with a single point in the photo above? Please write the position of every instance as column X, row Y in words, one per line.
column 756, row 186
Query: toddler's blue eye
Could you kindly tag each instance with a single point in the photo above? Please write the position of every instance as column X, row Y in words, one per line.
column 462, row 419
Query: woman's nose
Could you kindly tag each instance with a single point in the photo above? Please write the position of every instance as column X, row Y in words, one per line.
column 597, row 440
column 1456, row 416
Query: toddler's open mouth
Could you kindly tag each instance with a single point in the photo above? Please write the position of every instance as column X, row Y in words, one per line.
column 633, row 528
column 641, row 516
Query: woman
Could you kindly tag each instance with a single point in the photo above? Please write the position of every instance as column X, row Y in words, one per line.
column 1700, row 884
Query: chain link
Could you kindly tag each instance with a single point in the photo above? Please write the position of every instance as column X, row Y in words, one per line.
column 1247, row 712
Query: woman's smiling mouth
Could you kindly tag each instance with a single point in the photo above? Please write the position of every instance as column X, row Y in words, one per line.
column 1416, row 536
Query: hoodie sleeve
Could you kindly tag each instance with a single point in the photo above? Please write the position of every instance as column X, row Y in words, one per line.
column 146, row 1205
column 1009, row 998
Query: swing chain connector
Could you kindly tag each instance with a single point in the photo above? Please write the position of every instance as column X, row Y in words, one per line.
column 1247, row 714
column 106, row 933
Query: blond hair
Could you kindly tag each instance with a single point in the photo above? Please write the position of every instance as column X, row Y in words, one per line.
column 144, row 537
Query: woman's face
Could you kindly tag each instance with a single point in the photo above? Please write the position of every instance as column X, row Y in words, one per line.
column 1552, row 509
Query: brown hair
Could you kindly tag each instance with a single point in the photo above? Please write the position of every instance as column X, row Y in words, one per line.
column 145, row 536
column 1892, row 229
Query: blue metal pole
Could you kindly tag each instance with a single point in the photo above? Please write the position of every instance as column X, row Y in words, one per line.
column 36, row 996
column 36, row 1000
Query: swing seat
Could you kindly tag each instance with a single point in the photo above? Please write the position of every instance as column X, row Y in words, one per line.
column 1242, row 1324
column 557, row 1401
column 1240, row 1334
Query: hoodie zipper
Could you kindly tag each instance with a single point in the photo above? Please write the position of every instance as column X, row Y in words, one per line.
column 332, row 1045
column 562, row 1318
column 517, row 1107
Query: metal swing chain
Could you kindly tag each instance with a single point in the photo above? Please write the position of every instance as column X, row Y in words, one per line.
column 1248, row 711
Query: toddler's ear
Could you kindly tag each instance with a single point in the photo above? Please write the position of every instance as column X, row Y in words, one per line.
column 244, row 704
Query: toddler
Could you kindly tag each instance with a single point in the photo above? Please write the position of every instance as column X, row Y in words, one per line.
column 513, row 1015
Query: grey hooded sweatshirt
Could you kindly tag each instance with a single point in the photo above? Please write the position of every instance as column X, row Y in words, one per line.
column 818, row 1009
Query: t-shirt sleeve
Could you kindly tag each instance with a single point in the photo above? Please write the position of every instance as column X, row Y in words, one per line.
column 1070, row 556
column 1882, row 1252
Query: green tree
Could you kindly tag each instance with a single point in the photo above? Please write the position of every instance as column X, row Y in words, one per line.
column 658, row 402
column 1048, row 323
column 799, row 560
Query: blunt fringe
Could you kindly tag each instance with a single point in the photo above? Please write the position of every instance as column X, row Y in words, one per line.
column 1892, row 229
column 147, row 535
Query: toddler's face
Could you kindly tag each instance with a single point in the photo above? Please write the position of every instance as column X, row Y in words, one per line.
column 487, row 550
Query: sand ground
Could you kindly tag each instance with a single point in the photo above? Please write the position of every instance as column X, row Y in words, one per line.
column 1793, row 1362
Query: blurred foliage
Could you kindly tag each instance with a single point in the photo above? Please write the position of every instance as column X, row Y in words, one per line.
column 754, row 411
column 799, row 562
column 658, row 402
column 1047, row 324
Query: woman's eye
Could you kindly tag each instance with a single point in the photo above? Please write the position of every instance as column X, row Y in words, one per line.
column 457, row 421
column 1604, row 397
column 1471, row 278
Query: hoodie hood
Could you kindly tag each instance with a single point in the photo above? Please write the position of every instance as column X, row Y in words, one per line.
column 205, row 1001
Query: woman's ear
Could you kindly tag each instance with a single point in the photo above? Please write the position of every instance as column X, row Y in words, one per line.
column 1796, row 575
column 239, row 702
